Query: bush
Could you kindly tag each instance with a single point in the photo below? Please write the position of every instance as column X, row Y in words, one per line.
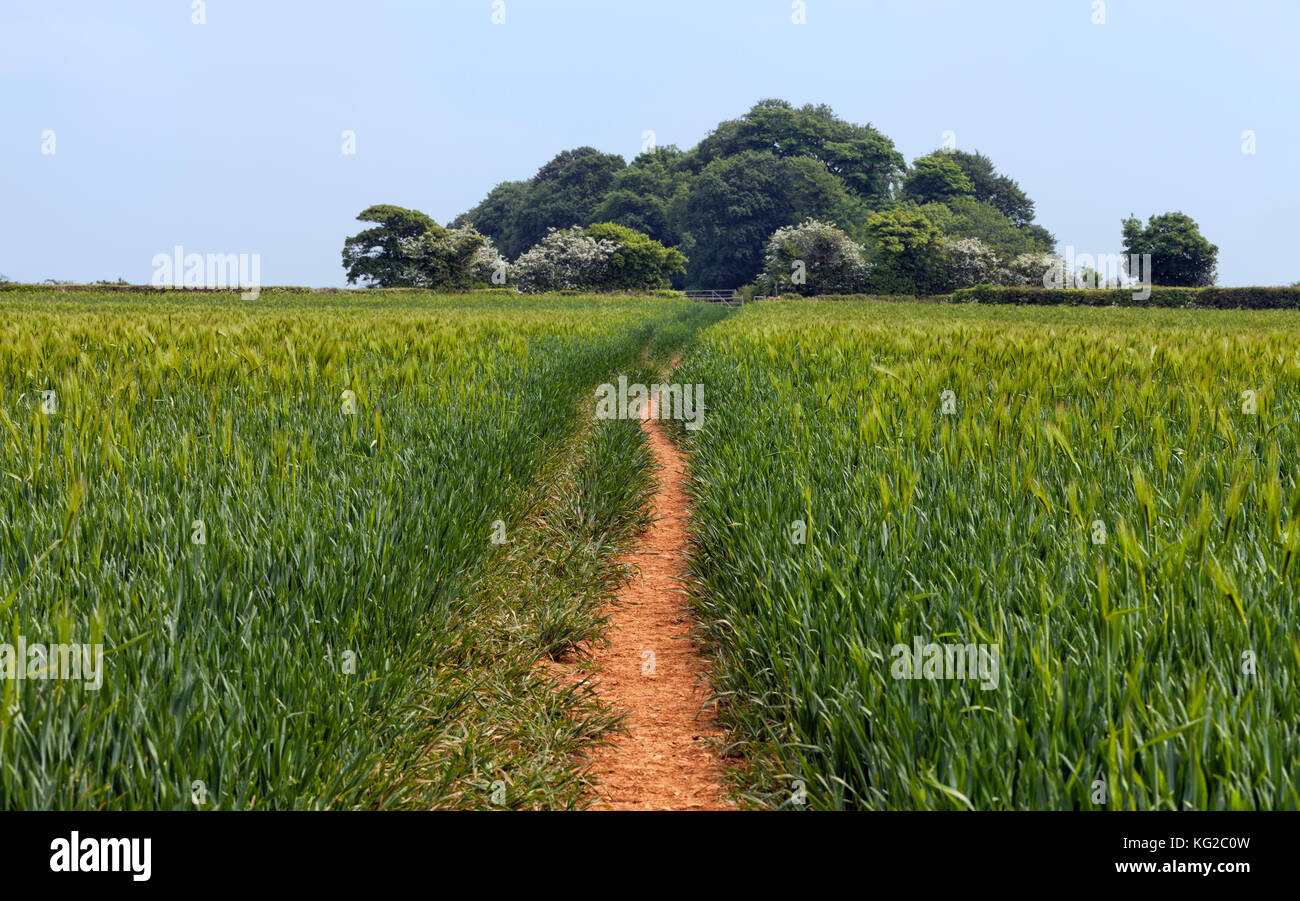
column 1029, row 270
column 640, row 262
column 814, row 258
column 455, row 258
column 565, row 259
column 910, row 255
column 970, row 262
column 1214, row 298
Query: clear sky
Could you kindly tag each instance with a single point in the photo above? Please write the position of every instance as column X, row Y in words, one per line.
column 226, row 137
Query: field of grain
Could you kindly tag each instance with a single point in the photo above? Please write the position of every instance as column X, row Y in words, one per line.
column 1105, row 499
column 270, row 515
column 942, row 556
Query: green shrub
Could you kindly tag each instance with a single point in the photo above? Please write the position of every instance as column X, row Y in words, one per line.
column 640, row 262
column 1214, row 298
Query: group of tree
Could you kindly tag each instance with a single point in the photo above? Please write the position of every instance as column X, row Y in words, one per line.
column 407, row 249
column 776, row 166
column 605, row 257
column 913, row 256
column 708, row 217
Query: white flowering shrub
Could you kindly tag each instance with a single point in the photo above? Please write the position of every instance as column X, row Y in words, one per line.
column 814, row 258
column 970, row 262
column 448, row 258
column 565, row 260
column 1030, row 269
column 487, row 262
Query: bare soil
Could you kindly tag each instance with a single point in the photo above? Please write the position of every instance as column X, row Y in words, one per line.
column 652, row 669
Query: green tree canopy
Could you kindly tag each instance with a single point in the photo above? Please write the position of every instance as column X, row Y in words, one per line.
column 966, row 217
column 804, row 162
column 497, row 213
column 641, row 194
column 739, row 201
column 1180, row 254
column 991, row 187
column 863, row 157
column 642, row 212
column 374, row 257
column 908, row 253
column 565, row 192
column 936, row 179
column 639, row 262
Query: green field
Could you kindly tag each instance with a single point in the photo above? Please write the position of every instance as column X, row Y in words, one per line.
column 1163, row 664
column 331, row 635
column 1106, row 500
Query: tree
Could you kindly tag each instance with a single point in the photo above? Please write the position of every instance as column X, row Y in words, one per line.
column 966, row 217
column 814, row 258
column 936, row 179
column 869, row 165
column 771, row 126
column 450, row 258
column 993, row 188
column 640, row 195
column 1039, row 235
column 1180, row 255
column 374, row 257
column 565, row 192
column 639, row 262
column 496, row 214
column 565, row 260
column 737, row 202
column 909, row 253
column 859, row 154
column 646, row 214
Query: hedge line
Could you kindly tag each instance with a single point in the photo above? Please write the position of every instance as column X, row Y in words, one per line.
column 24, row 288
column 1215, row 298
column 1212, row 298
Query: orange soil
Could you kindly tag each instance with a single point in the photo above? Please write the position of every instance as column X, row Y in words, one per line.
column 669, row 759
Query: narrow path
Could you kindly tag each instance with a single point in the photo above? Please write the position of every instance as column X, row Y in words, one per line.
column 652, row 669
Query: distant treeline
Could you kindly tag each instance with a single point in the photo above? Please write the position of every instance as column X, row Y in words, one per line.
column 781, row 200
column 720, row 202
column 1208, row 297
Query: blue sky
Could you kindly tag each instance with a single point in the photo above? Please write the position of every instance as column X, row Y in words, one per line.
column 226, row 137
